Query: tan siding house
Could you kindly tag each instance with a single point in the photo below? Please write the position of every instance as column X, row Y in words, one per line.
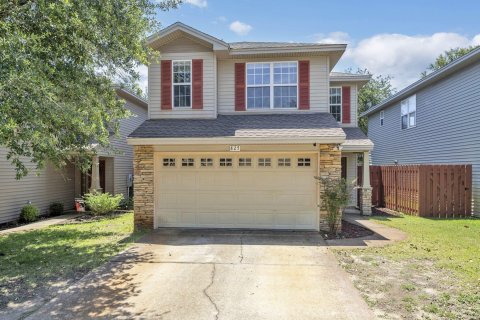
column 237, row 132
column 51, row 185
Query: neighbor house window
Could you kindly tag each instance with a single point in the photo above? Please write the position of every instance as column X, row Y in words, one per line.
column 382, row 117
column 272, row 85
column 336, row 103
column 409, row 112
column 182, row 84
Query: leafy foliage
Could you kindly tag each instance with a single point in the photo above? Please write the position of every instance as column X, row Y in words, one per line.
column 445, row 58
column 58, row 63
column 335, row 198
column 56, row 209
column 102, row 203
column 375, row 91
column 29, row 213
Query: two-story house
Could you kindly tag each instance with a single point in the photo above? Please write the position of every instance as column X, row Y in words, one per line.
column 433, row 121
column 237, row 132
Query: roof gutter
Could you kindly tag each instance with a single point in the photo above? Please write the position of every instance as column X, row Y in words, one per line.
column 237, row 140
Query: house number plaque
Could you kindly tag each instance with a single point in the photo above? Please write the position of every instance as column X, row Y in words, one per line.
column 235, row 148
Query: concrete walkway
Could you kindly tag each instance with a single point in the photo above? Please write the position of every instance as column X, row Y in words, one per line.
column 229, row 275
column 383, row 235
column 40, row 224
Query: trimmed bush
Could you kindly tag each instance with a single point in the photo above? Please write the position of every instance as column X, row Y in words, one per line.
column 55, row 209
column 102, row 203
column 29, row 213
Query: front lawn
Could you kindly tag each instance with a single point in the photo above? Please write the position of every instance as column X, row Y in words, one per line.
column 36, row 264
column 434, row 274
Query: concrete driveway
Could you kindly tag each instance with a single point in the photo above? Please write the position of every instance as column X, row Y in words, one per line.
column 175, row 274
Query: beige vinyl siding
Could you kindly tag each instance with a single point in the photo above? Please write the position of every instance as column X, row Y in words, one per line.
column 123, row 160
column 191, row 51
column 353, row 102
column 319, row 95
column 43, row 189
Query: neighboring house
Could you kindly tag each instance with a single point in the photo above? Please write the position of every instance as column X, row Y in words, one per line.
column 51, row 185
column 238, row 131
column 435, row 120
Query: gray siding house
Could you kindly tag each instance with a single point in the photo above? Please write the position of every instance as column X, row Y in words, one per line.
column 51, row 185
column 434, row 120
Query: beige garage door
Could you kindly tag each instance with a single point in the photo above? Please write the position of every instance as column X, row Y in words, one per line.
column 266, row 191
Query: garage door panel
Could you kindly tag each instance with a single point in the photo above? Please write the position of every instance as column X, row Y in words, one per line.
column 236, row 197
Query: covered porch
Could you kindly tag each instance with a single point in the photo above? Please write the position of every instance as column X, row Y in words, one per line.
column 99, row 177
column 356, row 153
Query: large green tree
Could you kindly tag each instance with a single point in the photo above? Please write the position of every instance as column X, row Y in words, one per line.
column 376, row 90
column 58, row 63
column 445, row 58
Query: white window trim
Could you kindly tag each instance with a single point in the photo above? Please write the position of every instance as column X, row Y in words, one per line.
column 341, row 102
column 271, row 85
column 414, row 97
column 190, row 83
column 382, row 118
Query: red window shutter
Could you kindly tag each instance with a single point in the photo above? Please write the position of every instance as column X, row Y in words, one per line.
column 240, row 87
column 166, row 86
column 304, row 85
column 197, row 84
column 346, row 104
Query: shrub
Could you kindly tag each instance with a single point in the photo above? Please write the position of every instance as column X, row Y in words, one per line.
column 55, row 209
column 335, row 198
column 102, row 203
column 29, row 213
column 126, row 204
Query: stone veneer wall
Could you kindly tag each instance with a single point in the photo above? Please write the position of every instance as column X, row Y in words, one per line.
column 330, row 166
column 143, row 183
column 366, row 201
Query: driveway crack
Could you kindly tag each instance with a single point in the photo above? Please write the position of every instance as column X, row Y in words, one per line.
column 241, row 249
column 212, row 277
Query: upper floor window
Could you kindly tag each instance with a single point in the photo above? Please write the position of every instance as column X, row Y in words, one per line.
column 182, row 83
column 336, row 103
column 382, row 117
column 272, row 85
column 409, row 112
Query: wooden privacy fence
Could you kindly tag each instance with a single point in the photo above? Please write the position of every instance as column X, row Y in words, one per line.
column 443, row 191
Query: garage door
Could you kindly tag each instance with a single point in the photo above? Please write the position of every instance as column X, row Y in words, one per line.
column 266, row 191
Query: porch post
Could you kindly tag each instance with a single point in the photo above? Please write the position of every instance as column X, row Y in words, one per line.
column 95, row 184
column 366, row 197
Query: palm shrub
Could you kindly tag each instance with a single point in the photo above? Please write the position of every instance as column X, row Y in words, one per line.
column 335, row 197
column 29, row 213
column 102, row 203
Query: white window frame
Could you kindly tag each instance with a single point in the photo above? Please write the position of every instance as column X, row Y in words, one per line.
column 180, row 84
column 411, row 104
column 271, row 85
column 382, row 118
column 341, row 102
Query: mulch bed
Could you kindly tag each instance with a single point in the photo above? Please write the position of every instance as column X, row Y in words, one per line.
column 18, row 223
column 349, row 231
column 88, row 217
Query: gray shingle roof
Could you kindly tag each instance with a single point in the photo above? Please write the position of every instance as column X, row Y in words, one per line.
column 355, row 136
column 258, row 126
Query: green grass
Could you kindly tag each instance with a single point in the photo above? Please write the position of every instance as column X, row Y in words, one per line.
column 453, row 244
column 35, row 260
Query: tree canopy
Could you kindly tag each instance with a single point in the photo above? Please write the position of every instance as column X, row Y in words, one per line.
column 59, row 61
column 445, row 58
column 376, row 90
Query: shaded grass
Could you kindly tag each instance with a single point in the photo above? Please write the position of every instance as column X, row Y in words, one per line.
column 34, row 261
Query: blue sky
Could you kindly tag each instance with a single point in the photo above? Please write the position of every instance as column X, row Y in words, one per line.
column 398, row 38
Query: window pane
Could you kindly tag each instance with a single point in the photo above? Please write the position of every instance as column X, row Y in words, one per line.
column 181, row 72
column 336, row 103
column 258, row 97
column 258, row 73
column 285, row 73
column 413, row 119
column 405, row 122
column 285, row 97
column 181, row 95
column 404, row 107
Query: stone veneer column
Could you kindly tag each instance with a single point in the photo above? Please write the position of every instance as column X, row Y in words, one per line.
column 330, row 167
column 366, row 193
column 143, row 185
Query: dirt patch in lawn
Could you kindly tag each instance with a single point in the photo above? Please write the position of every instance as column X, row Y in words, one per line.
column 409, row 289
column 349, row 230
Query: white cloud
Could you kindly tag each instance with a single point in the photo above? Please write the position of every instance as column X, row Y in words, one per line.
column 333, row 37
column 197, row 3
column 240, row 28
column 402, row 56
